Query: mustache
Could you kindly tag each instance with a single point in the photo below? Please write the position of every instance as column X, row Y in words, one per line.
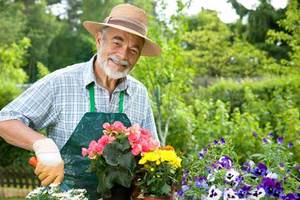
column 119, row 61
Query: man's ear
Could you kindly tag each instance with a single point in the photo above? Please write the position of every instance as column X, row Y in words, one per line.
column 98, row 38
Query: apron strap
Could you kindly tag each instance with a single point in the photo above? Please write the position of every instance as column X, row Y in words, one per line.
column 121, row 101
column 92, row 98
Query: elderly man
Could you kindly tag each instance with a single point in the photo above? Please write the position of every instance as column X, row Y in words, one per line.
column 74, row 102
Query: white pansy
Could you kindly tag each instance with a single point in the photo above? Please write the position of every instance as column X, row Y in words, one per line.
column 229, row 194
column 272, row 175
column 231, row 175
column 214, row 193
column 256, row 194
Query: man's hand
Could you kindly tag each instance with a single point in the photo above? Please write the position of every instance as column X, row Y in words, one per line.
column 50, row 166
column 50, row 174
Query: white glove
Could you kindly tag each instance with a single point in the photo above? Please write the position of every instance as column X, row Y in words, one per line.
column 50, row 166
column 47, row 152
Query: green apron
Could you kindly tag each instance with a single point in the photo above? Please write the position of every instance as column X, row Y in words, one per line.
column 90, row 128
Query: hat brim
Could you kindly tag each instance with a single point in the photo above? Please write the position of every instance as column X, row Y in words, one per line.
column 149, row 49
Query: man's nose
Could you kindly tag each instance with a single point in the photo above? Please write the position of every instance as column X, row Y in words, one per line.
column 123, row 53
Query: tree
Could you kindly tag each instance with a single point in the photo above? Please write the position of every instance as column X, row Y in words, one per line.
column 290, row 33
column 214, row 50
column 12, row 22
column 259, row 22
column 41, row 28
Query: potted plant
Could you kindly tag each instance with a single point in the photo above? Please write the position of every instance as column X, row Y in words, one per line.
column 114, row 156
column 157, row 173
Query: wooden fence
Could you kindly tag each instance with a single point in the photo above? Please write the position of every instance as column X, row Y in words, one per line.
column 16, row 181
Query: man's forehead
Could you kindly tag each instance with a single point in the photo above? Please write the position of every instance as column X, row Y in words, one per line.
column 116, row 33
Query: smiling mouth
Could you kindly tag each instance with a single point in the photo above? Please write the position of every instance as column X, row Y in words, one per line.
column 117, row 63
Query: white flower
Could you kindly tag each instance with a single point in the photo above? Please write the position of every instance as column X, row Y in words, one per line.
column 54, row 191
column 229, row 194
column 257, row 194
column 214, row 193
column 210, row 177
column 272, row 175
column 231, row 175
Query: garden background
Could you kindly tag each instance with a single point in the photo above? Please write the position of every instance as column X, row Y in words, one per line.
column 212, row 80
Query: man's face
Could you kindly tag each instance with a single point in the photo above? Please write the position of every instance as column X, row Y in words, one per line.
column 118, row 51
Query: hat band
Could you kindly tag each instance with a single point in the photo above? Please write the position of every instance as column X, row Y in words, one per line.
column 128, row 24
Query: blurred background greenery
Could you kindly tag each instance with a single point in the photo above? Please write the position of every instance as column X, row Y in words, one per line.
column 213, row 79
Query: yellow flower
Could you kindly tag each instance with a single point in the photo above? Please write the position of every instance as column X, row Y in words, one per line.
column 161, row 155
column 149, row 156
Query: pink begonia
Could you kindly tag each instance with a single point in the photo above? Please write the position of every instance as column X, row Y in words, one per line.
column 116, row 127
column 97, row 147
column 84, row 152
column 141, row 140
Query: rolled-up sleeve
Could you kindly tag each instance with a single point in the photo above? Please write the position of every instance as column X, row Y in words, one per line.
column 34, row 107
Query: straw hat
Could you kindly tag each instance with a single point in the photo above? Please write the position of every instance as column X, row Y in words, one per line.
column 127, row 18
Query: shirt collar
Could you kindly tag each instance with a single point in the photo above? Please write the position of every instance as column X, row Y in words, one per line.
column 89, row 77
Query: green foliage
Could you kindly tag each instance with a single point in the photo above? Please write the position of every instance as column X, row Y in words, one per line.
column 12, row 22
column 11, row 62
column 264, row 106
column 69, row 47
column 41, row 28
column 213, row 49
column 12, row 74
column 42, row 70
column 290, row 33
column 167, row 78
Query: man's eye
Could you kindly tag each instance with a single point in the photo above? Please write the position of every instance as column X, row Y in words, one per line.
column 134, row 51
column 117, row 43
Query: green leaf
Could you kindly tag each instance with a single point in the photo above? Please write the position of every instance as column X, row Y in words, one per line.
column 166, row 189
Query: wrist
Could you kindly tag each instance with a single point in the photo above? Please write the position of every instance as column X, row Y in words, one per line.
column 47, row 152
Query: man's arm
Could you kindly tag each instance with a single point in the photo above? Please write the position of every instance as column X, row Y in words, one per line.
column 50, row 167
column 18, row 134
column 34, row 109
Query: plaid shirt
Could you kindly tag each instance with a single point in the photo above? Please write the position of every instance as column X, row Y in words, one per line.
column 59, row 100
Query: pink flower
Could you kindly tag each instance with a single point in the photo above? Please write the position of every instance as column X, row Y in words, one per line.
column 106, row 139
column 116, row 127
column 84, row 152
column 136, row 149
column 141, row 140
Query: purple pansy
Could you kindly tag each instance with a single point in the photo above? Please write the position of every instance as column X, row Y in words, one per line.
column 225, row 162
column 272, row 187
column 290, row 145
column 280, row 140
column 271, row 134
column 222, row 140
column 243, row 191
column 254, row 134
column 265, row 140
column 247, row 166
column 202, row 153
column 291, row 196
column 200, row 182
column 260, row 170
column 183, row 189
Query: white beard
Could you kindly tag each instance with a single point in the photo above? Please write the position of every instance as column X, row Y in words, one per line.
column 111, row 73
